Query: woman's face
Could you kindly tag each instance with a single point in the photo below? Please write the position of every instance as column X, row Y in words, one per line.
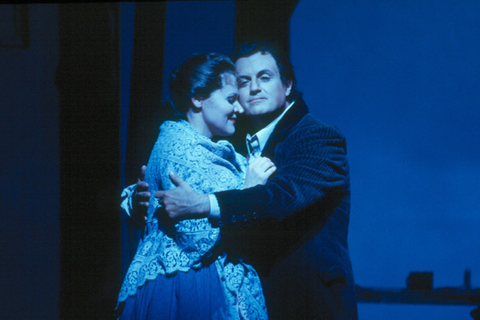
column 221, row 108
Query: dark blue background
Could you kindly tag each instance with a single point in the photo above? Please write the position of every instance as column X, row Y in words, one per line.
column 401, row 79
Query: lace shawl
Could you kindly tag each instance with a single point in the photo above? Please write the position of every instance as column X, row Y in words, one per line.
column 207, row 167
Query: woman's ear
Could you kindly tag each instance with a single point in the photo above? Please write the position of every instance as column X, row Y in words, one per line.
column 197, row 103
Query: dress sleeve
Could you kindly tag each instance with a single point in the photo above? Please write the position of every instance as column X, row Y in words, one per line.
column 311, row 166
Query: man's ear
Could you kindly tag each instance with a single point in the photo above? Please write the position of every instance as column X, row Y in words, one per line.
column 288, row 88
column 197, row 103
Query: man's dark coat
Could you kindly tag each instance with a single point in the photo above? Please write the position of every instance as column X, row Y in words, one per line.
column 294, row 228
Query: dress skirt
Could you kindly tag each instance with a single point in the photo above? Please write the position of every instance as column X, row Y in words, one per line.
column 196, row 294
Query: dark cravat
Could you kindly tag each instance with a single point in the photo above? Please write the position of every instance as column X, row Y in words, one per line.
column 253, row 147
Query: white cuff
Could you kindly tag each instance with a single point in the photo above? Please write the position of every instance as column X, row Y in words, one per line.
column 214, row 207
column 126, row 197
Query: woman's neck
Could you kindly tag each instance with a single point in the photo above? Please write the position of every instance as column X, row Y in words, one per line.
column 196, row 120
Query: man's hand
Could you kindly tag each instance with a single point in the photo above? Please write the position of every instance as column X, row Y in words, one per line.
column 141, row 198
column 182, row 202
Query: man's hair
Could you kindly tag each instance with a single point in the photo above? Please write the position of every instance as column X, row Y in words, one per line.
column 285, row 68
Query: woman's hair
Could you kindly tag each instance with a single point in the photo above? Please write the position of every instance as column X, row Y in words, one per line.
column 197, row 77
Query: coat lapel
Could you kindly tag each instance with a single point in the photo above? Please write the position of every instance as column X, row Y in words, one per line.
column 284, row 126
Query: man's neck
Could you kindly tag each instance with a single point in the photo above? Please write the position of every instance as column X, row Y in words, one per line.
column 258, row 122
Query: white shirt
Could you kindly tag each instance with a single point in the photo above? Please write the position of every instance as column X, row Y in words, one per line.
column 263, row 135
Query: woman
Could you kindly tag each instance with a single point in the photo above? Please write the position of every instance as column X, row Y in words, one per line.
column 176, row 272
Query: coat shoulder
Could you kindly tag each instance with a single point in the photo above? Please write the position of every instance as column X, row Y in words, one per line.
column 310, row 126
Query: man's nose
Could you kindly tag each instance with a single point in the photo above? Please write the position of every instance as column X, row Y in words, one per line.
column 254, row 87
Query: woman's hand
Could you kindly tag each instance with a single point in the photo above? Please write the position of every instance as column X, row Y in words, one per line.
column 258, row 172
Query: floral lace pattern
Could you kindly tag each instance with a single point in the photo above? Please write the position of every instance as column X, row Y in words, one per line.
column 243, row 290
column 207, row 167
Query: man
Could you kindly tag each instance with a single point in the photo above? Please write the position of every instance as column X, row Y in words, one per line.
column 294, row 228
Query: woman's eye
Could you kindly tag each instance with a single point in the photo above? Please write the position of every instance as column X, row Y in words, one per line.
column 265, row 78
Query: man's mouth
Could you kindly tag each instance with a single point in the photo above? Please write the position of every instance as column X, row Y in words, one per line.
column 256, row 100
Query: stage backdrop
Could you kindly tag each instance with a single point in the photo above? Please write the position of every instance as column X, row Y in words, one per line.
column 29, row 162
column 401, row 80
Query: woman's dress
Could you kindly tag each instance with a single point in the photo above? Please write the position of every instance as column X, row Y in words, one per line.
column 176, row 272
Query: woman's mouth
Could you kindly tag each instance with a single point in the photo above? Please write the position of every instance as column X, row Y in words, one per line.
column 233, row 119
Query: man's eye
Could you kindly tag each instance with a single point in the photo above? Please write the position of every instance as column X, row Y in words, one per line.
column 265, row 78
column 242, row 83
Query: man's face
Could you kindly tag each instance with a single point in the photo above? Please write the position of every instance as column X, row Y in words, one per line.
column 260, row 87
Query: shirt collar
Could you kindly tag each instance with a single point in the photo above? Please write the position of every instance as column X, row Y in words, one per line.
column 266, row 132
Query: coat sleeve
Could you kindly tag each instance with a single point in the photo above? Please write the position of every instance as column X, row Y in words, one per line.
column 311, row 166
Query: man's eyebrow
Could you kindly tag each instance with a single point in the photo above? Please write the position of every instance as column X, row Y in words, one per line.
column 265, row 71
column 259, row 73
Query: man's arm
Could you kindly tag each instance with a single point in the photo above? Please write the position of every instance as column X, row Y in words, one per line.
column 182, row 202
column 311, row 165
column 311, row 168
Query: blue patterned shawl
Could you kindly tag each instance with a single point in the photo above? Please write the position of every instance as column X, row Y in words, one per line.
column 207, row 167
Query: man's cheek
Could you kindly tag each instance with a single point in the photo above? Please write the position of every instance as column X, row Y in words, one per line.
column 243, row 102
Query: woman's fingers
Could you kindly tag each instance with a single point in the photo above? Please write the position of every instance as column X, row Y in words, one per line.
column 264, row 164
column 270, row 170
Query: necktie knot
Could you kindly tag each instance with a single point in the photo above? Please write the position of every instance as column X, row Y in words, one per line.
column 253, row 146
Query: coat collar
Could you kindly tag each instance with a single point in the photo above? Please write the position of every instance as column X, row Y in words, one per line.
column 284, row 126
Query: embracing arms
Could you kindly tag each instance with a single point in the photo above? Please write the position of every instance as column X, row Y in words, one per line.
column 182, row 202
column 311, row 165
column 312, row 168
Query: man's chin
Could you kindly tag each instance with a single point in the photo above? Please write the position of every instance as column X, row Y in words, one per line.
column 263, row 113
column 256, row 110
column 261, row 118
